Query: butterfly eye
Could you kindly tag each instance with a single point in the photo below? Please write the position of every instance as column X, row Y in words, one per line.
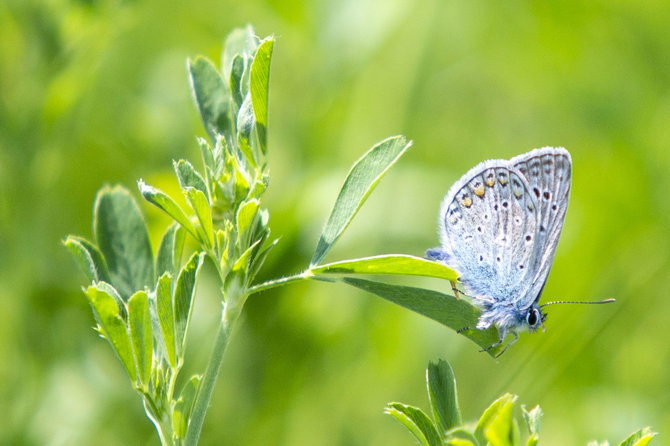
column 533, row 317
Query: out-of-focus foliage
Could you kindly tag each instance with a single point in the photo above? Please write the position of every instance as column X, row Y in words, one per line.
column 497, row 426
column 96, row 91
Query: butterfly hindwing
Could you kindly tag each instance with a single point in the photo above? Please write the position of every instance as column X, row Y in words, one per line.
column 488, row 222
column 548, row 172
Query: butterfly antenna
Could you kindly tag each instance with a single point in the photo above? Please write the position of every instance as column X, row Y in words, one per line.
column 606, row 301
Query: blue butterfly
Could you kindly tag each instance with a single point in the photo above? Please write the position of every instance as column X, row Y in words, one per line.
column 499, row 226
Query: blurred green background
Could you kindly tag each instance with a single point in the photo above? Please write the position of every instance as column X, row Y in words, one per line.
column 95, row 92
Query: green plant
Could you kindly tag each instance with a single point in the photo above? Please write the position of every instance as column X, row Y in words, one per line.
column 142, row 303
column 497, row 426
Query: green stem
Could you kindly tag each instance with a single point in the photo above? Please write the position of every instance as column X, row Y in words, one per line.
column 306, row 275
column 228, row 320
column 235, row 298
column 166, row 440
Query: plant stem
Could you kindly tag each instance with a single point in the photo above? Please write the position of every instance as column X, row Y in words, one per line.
column 229, row 317
column 166, row 440
column 305, row 275
column 235, row 298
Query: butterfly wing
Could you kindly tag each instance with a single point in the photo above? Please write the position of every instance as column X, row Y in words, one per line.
column 548, row 172
column 488, row 221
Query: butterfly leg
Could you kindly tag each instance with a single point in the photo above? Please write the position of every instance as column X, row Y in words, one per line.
column 503, row 333
column 516, row 338
column 455, row 289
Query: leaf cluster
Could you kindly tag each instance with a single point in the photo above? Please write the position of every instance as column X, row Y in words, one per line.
column 142, row 303
column 497, row 426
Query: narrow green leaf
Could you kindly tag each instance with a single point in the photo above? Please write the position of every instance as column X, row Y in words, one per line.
column 447, row 310
column 242, row 41
column 170, row 250
column 210, row 94
column 459, row 442
column 183, row 300
column 184, row 406
column 189, row 177
column 207, row 154
column 362, row 178
column 235, row 81
column 459, row 436
column 112, row 326
column 260, row 259
column 259, row 83
column 165, row 203
column 443, row 396
column 533, row 440
column 644, row 441
column 533, row 418
column 389, row 264
column 245, row 125
column 416, row 421
column 241, row 182
column 198, row 201
column 490, row 418
column 123, row 239
column 245, row 217
column 110, row 290
column 89, row 257
column 242, row 263
column 139, row 321
column 166, row 316
column 515, row 436
column 641, row 437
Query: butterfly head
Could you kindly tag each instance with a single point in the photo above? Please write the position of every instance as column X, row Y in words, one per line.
column 535, row 318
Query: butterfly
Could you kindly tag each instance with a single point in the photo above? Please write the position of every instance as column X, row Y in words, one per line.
column 499, row 227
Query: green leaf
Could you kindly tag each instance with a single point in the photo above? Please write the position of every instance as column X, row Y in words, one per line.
column 459, row 442
column 166, row 316
column 163, row 201
column 170, row 250
column 89, row 257
column 235, row 81
column 416, row 421
column 259, row 83
column 109, row 289
column 443, row 396
column 533, row 418
column 641, row 437
column 207, row 155
column 389, row 264
column 447, row 310
column 362, row 178
column 242, row 263
column 459, row 436
column 183, row 300
column 495, row 424
column 533, row 440
column 139, row 321
column 245, row 125
column 111, row 325
column 242, row 41
column 184, row 406
column 200, row 205
column 189, row 177
column 246, row 214
column 260, row 259
column 210, row 94
column 123, row 239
